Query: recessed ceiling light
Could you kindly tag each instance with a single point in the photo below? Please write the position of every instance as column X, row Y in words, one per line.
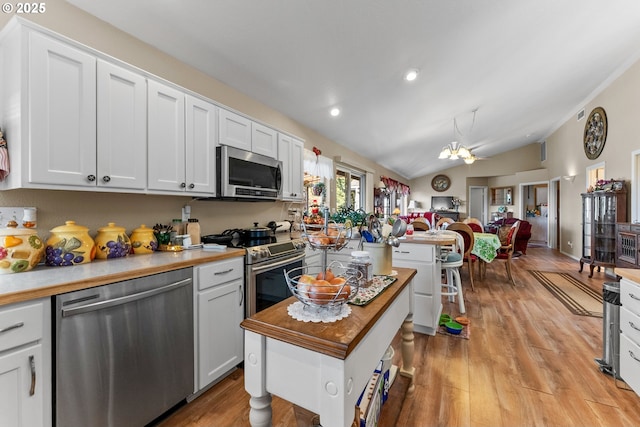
column 335, row 112
column 411, row 75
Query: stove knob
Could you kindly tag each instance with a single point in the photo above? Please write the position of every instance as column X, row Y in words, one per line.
column 253, row 254
column 264, row 253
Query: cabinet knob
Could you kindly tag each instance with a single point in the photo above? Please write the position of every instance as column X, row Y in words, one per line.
column 192, row 186
column 183, row 185
column 106, row 178
column 91, row 178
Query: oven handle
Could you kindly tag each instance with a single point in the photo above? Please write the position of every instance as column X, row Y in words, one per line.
column 277, row 264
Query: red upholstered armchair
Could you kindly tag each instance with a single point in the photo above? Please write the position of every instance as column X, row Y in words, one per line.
column 523, row 235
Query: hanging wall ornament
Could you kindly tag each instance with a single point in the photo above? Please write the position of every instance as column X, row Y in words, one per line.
column 595, row 133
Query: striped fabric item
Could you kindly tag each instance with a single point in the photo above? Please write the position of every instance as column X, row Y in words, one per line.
column 4, row 158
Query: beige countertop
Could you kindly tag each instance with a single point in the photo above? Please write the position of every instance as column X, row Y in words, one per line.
column 44, row 281
column 430, row 238
column 629, row 273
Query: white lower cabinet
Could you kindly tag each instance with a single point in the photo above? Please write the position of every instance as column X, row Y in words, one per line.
column 427, row 303
column 630, row 333
column 219, row 310
column 25, row 364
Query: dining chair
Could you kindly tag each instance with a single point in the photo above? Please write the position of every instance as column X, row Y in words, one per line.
column 475, row 224
column 505, row 252
column 451, row 261
column 443, row 223
column 469, row 240
column 420, row 224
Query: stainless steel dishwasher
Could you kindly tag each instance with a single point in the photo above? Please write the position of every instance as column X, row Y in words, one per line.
column 124, row 351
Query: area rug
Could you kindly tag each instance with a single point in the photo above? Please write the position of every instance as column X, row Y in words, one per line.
column 579, row 298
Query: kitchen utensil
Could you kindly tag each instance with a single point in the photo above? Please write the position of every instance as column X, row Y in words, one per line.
column 368, row 237
column 20, row 248
column 399, row 228
column 112, row 242
column 393, row 241
column 69, row 244
column 219, row 239
column 256, row 232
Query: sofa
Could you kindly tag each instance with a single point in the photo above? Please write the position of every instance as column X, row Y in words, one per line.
column 523, row 236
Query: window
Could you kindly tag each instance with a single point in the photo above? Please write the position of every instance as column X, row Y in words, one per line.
column 594, row 174
column 350, row 188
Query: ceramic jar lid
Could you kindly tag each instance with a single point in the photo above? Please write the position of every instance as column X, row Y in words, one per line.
column 111, row 227
column 70, row 227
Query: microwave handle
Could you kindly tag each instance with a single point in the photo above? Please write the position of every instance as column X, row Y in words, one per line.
column 279, row 179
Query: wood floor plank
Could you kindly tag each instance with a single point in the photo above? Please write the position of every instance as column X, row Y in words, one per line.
column 528, row 362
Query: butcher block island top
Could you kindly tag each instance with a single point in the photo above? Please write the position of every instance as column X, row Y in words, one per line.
column 45, row 281
column 323, row 367
column 335, row 339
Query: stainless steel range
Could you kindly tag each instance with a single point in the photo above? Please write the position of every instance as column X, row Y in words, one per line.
column 264, row 271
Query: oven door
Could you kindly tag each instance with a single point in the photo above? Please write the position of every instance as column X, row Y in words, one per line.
column 266, row 284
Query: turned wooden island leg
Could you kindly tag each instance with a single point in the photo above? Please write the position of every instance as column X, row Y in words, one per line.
column 407, row 369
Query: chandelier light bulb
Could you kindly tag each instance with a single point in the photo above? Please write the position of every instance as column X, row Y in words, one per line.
column 335, row 112
column 411, row 75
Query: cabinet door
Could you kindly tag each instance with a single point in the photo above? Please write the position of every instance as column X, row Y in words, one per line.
column 290, row 153
column 234, row 130
column 297, row 170
column 220, row 338
column 62, row 113
column 18, row 406
column 166, row 138
column 264, row 140
column 122, row 128
column 201, row 131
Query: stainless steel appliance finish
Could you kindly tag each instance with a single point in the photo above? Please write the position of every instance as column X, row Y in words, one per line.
column 124, row 351
column 246, row 175
column 265, row 265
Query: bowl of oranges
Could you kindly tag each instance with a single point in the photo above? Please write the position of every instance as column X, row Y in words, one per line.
column 324, row 288
column 329, row 235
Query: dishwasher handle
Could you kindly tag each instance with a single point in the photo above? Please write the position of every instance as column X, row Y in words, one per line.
column 66, row 312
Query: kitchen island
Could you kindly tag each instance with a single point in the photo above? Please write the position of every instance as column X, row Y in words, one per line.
column 324, row 367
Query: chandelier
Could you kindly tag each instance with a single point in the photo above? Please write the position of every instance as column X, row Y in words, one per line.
column 455, row 150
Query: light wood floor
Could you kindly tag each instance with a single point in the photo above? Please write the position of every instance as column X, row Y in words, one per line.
column 528, row 362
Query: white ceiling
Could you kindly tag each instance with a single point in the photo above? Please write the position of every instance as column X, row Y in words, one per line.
column 526, row 66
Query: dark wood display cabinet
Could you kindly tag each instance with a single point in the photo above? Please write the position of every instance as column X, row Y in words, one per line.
column 601, row 211
column 627, row 239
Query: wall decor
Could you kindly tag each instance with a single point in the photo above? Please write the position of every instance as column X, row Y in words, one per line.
column 595, row 133
column 440, row 183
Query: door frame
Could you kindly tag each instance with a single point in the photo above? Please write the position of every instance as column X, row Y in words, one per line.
column 523, row 207
column 485, row 201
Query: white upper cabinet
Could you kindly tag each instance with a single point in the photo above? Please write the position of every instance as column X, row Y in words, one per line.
column 60, row 134
column 235, row 130
column 81, row 121
column 240, row 132
column 166, row 138
column 201, row 130
column 122, row 127
column 264, row 140
column 290, row 153
column 182, row 142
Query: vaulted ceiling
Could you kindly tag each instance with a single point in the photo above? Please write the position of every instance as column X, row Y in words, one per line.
column 523, row 66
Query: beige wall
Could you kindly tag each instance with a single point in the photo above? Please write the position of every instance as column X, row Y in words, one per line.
column 95, row 210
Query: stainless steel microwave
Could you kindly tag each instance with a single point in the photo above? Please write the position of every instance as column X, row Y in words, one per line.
column 246, row 175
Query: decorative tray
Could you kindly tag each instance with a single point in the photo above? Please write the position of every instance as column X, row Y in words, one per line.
column 365, row 295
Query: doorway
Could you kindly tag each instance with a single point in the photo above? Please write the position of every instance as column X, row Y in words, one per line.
column 535, row 207
column 478, row 203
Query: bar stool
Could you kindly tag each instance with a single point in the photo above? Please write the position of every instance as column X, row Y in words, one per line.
column 452, row 260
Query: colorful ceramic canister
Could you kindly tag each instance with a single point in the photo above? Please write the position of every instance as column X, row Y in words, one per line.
column 112, row 242
column 69, row 244
column 20, row 249
column 143, row 241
